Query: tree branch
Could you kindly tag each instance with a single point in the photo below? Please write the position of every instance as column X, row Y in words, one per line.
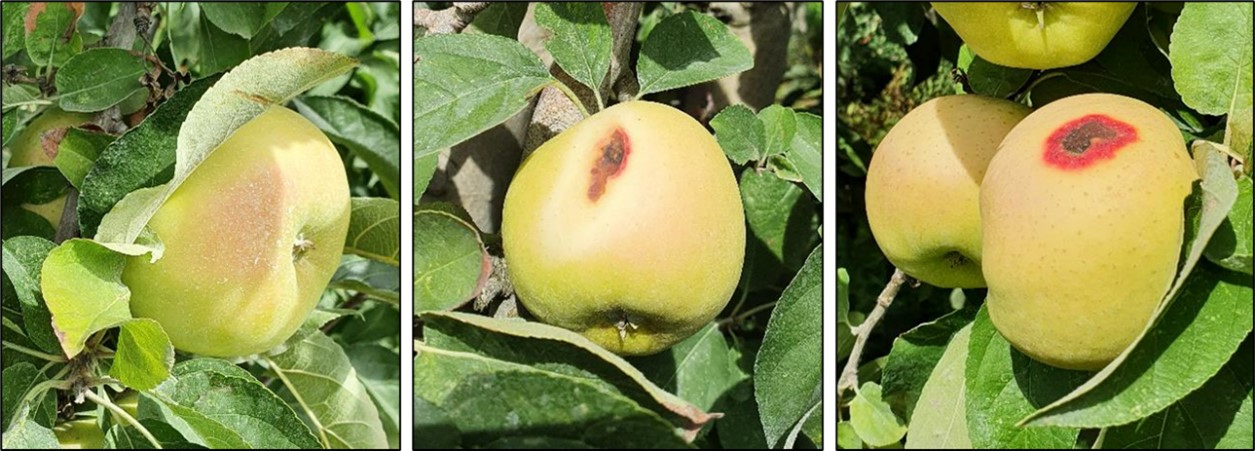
column 849, row 376
column 450, row 20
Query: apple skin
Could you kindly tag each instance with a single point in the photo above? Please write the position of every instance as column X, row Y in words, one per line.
column 81, row 433
column 1009, row 34
column 1081, row 245
column 627, row 228
column 28, row 150
column 923, row 186
column 251, row 239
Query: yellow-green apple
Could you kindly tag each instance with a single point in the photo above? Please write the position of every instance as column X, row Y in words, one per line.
column 1082, row 210
column 627, row 228
column 923, row 186
column 82, row 433
column 36, row 145
column 1036, row 35
column 251, row 239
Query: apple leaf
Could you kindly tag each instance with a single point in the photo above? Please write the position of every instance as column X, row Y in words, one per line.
column 23, row 258
column 788, row 371
column 375, row 230
column 141, row 158
column 458, row 345
column 467, row 83
column 579, row 40
column 740, row 134
column 325, row 384
column 82, row 283
column 1224, row 402
column 375, row 279
column 14, row 33
column 135, row 364
column 913, row 357
column 248, row 90
column 940, row 419
column 26, row 433
column 77, row 153
column 1231, row 246
column 53, row 38
column 873, row 420
column 710, row 51
column 22, row 378
column 700, row 369
column 216, row 404
column 98, row 79
column 1004, row 385
column 1211, row 65
column 450, row 262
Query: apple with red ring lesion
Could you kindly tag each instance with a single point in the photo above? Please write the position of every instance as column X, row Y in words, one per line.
column 1082, row 210
column 627, row 227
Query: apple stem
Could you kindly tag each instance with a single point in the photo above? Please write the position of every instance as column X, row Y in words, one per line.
column 849, row 375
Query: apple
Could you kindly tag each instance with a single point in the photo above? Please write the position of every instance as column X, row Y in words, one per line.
column 1036, row 35
column 627, row 228
column 36, row 145
column 82, row 433
column 251, row 239
column 923, row 186
column 1082, row 210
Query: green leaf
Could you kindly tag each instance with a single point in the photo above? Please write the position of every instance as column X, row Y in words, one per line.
column 53, row 40
column 940, row 418
column 82, row 282
column 449, row 260
column 1211, row 65
column 1231, row 246
column 709, row 51
column 914, row 356
column 845, row 335
column 579, row 39
column 1004, row 385
column 77, row 153
column 98, row 79
column 14, row 28
column 378, row 280
column 23, row 259
column 788, row 372
column 805, row 153
column 466, row 83
column 242, row 18
column 318, row 373
column 740, row 133
column 700, row 369
column 375, row 230
column 873, row 420
column 219, row 405
column 144, row 355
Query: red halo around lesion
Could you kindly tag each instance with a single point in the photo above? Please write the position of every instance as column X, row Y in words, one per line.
column 1085, row 141
column 611, row 159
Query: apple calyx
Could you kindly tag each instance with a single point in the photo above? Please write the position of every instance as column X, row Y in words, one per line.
column 301, row 246
column 1038, row 8
column 614, row 151
column 623, row 324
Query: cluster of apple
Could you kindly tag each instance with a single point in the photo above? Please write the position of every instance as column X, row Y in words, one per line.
column 1071, row 215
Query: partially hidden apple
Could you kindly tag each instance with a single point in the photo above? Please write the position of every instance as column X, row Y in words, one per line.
column 36, row 145
column 1036, row 35
column 923, row 186
column 627, row 228
column 251, row 237
column 81, row 433
column 1082, row 210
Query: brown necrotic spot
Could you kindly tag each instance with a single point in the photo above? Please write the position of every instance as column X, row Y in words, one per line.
column 612, row 154
column 1087, row 140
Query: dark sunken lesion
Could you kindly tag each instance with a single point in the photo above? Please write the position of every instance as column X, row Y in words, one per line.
column 1080, row 138
column 610, row 162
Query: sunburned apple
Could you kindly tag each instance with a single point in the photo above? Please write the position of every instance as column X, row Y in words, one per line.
column 1036, row 35
column 627, row 228
column 923, row 186
column 1082, row 210
column 251, row 239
